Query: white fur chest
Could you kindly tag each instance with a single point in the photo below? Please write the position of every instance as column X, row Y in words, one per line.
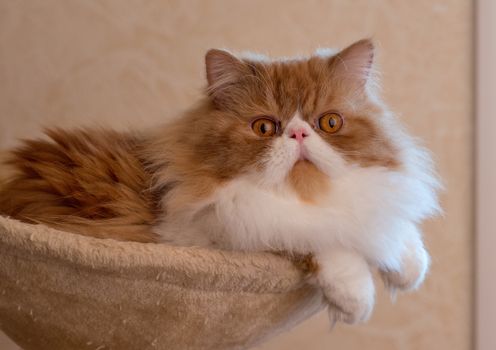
column 372, row 211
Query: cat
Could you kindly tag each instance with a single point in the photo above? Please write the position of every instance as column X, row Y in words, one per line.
column 297, row 155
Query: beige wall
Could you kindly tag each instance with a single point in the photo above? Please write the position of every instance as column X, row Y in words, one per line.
column 136, row 63
column 486, row 175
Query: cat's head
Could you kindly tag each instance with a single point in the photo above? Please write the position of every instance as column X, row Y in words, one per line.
column 301, row 120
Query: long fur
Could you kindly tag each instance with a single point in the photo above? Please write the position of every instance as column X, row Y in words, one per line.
column 353, row 199
column 90, row 182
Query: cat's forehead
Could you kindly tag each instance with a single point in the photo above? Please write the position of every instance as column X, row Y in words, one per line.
column 253, row 84
column 293, row 84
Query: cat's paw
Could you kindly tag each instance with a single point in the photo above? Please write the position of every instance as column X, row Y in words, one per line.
column 347, row 285
column 351, row 303
column 414, row 267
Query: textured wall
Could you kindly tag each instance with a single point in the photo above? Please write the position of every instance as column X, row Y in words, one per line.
column 136, row 63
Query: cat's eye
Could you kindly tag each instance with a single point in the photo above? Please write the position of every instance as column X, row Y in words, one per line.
column 264, row 127
column 330, row 122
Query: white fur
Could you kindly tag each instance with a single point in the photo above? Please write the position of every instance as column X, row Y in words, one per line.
column 368, row 219
column 345, row 276
column 372, row 212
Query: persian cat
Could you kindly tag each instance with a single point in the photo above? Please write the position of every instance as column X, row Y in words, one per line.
column 296, row 155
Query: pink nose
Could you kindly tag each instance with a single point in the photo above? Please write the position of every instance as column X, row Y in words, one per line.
column 298, row 134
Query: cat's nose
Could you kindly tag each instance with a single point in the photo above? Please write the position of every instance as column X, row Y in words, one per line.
column 299, row 134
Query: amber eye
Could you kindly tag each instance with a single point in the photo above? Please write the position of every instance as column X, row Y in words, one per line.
column 330, row 122
column 264, row 127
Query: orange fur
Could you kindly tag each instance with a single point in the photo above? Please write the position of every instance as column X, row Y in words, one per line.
column 107, row 184
column 90, row 182
column 308, row 181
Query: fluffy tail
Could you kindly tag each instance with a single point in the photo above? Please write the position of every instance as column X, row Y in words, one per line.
column 90, row 182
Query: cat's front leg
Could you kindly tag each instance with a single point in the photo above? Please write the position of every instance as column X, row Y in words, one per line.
column 411, row 270
column 346, row 281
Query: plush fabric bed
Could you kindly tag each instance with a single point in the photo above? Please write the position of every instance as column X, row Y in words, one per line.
column 64, row 291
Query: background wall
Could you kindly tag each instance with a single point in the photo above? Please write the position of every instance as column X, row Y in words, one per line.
column 137, row 63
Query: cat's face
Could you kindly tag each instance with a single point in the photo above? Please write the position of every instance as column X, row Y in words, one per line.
column 293, row 119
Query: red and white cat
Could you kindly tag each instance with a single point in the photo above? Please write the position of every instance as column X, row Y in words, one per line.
column 296, row 155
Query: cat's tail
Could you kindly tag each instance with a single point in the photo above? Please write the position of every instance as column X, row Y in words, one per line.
column 90, row 182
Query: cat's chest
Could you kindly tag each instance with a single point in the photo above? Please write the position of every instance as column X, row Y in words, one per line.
column 244, row 201
column 242, row 210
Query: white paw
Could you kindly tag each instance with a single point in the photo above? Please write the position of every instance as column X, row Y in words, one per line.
column 346, row 281
column 411, row 274
column 348, row 303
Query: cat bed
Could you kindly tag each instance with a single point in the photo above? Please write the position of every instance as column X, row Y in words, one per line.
column 65, row 291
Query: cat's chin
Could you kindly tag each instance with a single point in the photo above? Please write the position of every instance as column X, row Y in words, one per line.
column 308, row 181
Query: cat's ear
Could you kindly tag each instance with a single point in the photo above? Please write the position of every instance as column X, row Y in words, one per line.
column 223, row 70
column 353, row 65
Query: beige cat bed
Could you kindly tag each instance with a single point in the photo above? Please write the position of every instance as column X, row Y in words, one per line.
column 66, row 291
